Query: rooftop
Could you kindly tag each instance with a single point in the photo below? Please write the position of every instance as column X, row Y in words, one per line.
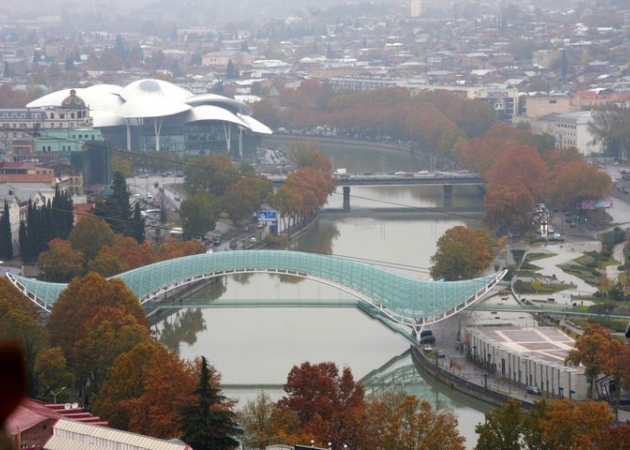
column 541, row 343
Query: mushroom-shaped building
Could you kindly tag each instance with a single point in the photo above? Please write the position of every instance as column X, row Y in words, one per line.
column 151, row 114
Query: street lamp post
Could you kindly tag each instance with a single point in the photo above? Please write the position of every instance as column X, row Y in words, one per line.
column 55, row 394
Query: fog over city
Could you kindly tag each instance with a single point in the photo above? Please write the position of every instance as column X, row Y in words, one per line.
column 217, row 12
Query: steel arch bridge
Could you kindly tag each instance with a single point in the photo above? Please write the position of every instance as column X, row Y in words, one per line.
column 403, row 299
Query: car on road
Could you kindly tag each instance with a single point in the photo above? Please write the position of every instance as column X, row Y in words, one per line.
column 441, row 354
column 534, row 390
column 252, row 240
column 177, row 198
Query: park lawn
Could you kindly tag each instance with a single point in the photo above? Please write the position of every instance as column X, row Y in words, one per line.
column 537, row 287
column 588, row 268
column 539, row 255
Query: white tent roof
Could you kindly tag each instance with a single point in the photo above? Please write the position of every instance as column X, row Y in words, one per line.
column 103, row 119
column 255, row 125
column 154, row 88
column 94, row 98
column 212, row 112
column 215, row 99
column 150, row 106
column 110, row 104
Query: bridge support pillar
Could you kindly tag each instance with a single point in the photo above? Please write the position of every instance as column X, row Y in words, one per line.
column 448, row 195
column 346, row 198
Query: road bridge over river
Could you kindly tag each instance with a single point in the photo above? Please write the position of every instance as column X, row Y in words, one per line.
column 447, row 180
column 402, row 300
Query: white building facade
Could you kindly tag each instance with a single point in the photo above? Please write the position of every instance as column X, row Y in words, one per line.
column 572, row 130
column 515, row 360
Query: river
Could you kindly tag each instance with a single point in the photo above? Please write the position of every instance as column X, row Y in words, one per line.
column 255, row 348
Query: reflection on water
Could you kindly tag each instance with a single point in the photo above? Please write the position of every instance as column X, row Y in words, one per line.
column 252, row 347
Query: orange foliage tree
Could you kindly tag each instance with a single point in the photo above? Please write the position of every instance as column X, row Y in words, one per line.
column 76, row 314
column 507, row 204
column 589, row 351
column 143, row 390
column 461, row 253
column 575, row 181
column 60, row 263
column 108, row 333
column 399, row 421
column 325, row 403
column 520, row 164
column 125, row 253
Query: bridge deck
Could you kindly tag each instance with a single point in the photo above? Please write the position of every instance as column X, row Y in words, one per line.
column 404, row 299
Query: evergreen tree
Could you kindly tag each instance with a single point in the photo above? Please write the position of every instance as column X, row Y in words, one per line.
column 28, row 235
column 116, row 210
column 23, row 240
column 208, row 422
column 231, row 71
column 138, row 224
column 6, row 240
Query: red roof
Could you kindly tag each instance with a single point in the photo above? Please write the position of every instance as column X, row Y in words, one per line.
column 31, row 412
column 47, row 178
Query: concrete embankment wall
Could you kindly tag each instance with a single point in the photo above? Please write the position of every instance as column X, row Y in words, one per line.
column 457, row 383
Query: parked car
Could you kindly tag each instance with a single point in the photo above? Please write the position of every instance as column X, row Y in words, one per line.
column 441, row 354
column 430, row 339
column 534, row 390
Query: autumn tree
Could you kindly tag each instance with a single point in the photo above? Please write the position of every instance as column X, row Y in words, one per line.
column 507, row 204
column 76, row 313
column 90, row 235
column 20, row 322
column 23, row 327
column 125, row 253
column 54, row 379
column 576, row 425
column 398, row 421
column 213, row 173
column 109, row 333
column 245, row 197
column 473, row 117
column 199, row 214
column 589, row 352
column 306, row 154
column 61, row 262
column 561, row 156
column 325, row 402
column 502, row 428
column 144, row 389
column 576, row 181
column 258, row 418
column 174, row 248
column 208, row 421
column 461, row 253
column 520, row 164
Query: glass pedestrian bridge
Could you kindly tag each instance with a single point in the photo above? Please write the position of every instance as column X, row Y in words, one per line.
column 403, row 299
